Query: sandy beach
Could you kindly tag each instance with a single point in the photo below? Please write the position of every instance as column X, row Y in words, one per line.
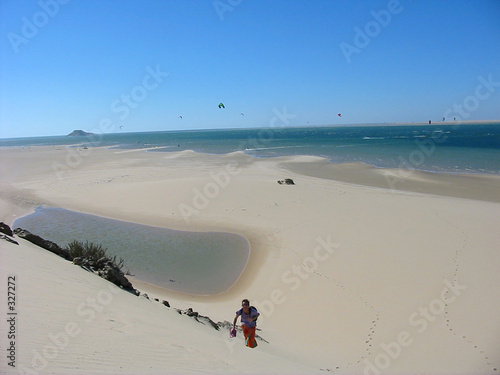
column 354, row 269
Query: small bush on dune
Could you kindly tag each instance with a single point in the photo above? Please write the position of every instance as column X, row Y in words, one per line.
column 87, row 250
column 93, row 253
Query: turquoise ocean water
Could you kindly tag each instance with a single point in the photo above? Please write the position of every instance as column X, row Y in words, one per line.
column 437, row 148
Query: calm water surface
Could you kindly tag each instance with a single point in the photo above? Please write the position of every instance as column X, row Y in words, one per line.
column 188, row 262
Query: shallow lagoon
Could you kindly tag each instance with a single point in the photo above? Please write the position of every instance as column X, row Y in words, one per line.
column 201, row 263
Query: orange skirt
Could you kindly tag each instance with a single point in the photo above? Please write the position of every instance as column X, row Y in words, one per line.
column 249, row 334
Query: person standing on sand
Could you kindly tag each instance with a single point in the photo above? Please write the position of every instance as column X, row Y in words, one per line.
column 249, row 315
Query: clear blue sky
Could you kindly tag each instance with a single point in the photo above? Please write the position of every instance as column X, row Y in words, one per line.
column 87, row 64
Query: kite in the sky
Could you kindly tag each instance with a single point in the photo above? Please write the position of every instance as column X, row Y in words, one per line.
column 221, row 105
column 339, row 114
column 180, row 117
column 242, row 114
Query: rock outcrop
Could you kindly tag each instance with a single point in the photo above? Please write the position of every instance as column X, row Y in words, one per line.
column 6, row 233
column 199, row 318
column 8, row 239
column 286, row 181
column 5, row 229
column 43, row 243
column 103, row 267
column 106, row 269
column 79, row 133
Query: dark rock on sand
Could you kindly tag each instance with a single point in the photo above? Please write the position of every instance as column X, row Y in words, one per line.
column 209, row 321
column 82, row 262
column 286, row 181
column 8, row 239
column 190, row 312
column 107, row 270
column 104, row 267
column 6, row 233
column 199, row 318
column 43, row 243
column 5, row 229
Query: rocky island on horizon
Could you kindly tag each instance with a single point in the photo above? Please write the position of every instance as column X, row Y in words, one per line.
column 78, row 133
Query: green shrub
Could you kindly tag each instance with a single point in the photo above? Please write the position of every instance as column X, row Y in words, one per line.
column 92, row 253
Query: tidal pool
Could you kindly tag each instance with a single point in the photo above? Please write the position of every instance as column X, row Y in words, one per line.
column 201, row 263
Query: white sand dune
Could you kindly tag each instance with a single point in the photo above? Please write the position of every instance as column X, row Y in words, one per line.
column 70, row 321
column 349, row 275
